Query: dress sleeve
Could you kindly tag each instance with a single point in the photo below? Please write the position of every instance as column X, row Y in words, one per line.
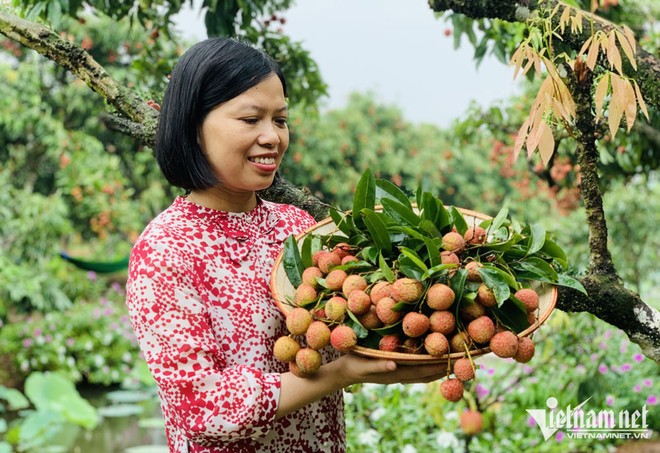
column 206, row 400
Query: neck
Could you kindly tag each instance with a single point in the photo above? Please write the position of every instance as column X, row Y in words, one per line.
column 243, row 202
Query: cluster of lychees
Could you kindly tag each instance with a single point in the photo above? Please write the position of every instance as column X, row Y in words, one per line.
column 424, row 318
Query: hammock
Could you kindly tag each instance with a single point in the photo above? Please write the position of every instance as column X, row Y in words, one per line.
column 101, row 267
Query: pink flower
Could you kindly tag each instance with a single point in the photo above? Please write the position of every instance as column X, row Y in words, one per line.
column 638, row 357
column 602, row 368
column 648, row 383
column 531, row 422
column 608, row 334
column 637, row 388
column 609, row 400
column 625, row 367
column 37, row 332
column 70, row 342
column 594, row 357
column 560, row 436
column 91, row 275
column 27, row 342
column 482, row 391
column 652, row 400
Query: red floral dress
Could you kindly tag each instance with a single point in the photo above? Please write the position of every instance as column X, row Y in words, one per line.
column 199, row 300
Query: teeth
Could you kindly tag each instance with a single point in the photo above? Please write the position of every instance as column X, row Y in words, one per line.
column 264, row 160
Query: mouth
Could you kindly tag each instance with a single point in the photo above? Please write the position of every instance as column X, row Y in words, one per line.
column 262, row 160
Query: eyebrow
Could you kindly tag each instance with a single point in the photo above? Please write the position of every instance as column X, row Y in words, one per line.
column 256, row 108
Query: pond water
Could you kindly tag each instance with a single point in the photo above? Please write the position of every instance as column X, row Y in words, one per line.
column 131, row 422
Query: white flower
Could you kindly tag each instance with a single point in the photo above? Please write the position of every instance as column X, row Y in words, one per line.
column 369, row 437
column 99, row 360
column 348, row 398
column 377, row 414
column 417, row 388
column 447, row 440
column 408, row 449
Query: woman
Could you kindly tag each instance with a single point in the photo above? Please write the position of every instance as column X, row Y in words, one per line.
column 198, row 290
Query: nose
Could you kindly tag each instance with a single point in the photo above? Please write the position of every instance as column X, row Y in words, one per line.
column 269, row 136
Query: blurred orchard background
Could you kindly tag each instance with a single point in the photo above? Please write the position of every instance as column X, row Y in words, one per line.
column 71, row 376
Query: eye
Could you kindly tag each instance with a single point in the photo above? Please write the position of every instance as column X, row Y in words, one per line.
column 250, row 120
column 281, row 121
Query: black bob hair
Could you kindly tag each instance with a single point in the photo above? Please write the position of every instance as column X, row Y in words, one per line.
column 208, row 74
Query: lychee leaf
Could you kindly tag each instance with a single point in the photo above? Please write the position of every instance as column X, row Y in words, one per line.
column 377, row 229
column 457, row 283
column 364, row 197
column 400, row 213
column 551, row 249
column 344, row 222
column 499, row 220
column 433, row 251
column 415, row 258
column 511, row 315
column 292, row 261
column 440, row 268
column 538, row 267
column 385, row 269
column 354, row 324
column 570, row 282
column 430, row 228
column 458, row 220
column 536, row 239
column 435, row 211
column 498, row 281
column 385, row 190
column 388, row 330
column 307, row 250
column 370, row 254
column 409, row 269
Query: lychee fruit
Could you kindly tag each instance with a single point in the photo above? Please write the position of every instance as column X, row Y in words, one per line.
column 411, row 346
column 370, row 319
column 343, row 249
column 525, row 350
column 485, row 296
column 481, row 330
column 415, row 324
column 305, row 294
column 389, row 343
column 463, row 369
column 529, row 297
column 308, row 360
column 440, row 296
column 531, row 318
column 310, row 275
column 348, row 259
column 453, row 242
column 352, row 283
column 378, row 291
column 385, row 311
column 449, row 258
column 298, row 320
column 316, row 256
column 470, row 311
column 343, row 338
column 335, row 279
column 504, row 344
column 317, row 335
column 471, row 422
column 285, row 349
column 442, row 321
column 335, row 308
column 406, row 290
column 475, row 235
column 327, row 261
column 436, row 344
column 473, row 271
column 359, row 302
column 297, row 371
column 452, row 390
column 460, row 341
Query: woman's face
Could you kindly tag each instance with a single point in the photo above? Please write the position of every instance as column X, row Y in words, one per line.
column 244, row 138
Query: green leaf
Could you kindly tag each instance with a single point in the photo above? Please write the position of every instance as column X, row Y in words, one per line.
column 458, row 220
column 390, row 329
column 385, row 269
column 292, row 261
column 365, row 195
column 306, row 252
column 400, row 212
column 538, row 267
column 499, row 219
column 551, row 249
column 570, row 282
column 498, row 281
column 536, row 239
column 344, row 222
column 440, row 268
column 433, row 251
column 511, row 315
column 370, row 254
column 435, row 211
column 377, row 229
column 430, row 228
column 409, row 268
column 15, row 399
column 457, row 283
column 414, row 257
column 357, row 327
column 386, row 190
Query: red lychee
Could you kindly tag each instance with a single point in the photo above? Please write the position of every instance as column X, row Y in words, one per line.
column 335, row 308
column 411, row 346
column 317, row 335
column 378, row 291
column 459, row 341
column 370, row 319
column 348, row 259
column 463, row 369
column 285, row 349
column 297, row 371
column 453, row 242
column 308, row 360
column 335, row 279
column 449, row 258
column 442, row 321
column 310, row 275
column 436, row 344
column 440, row 296
column 305, row 294
column 359, row 302
column 525, row 350
column 389, row 343
column 385, row 312
column 343, row 338
column 504, row 344
column 470, row 311
column 485, row 296
column 473, row 271
column 352, row 283
column 415, row 324
column 475, row 235
column 452, row 390
column 327, row 261
column 529, row 297
column 406, row 290
column 481, row 330
column 471, row 422
column 342, row 249
column 298, row 320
